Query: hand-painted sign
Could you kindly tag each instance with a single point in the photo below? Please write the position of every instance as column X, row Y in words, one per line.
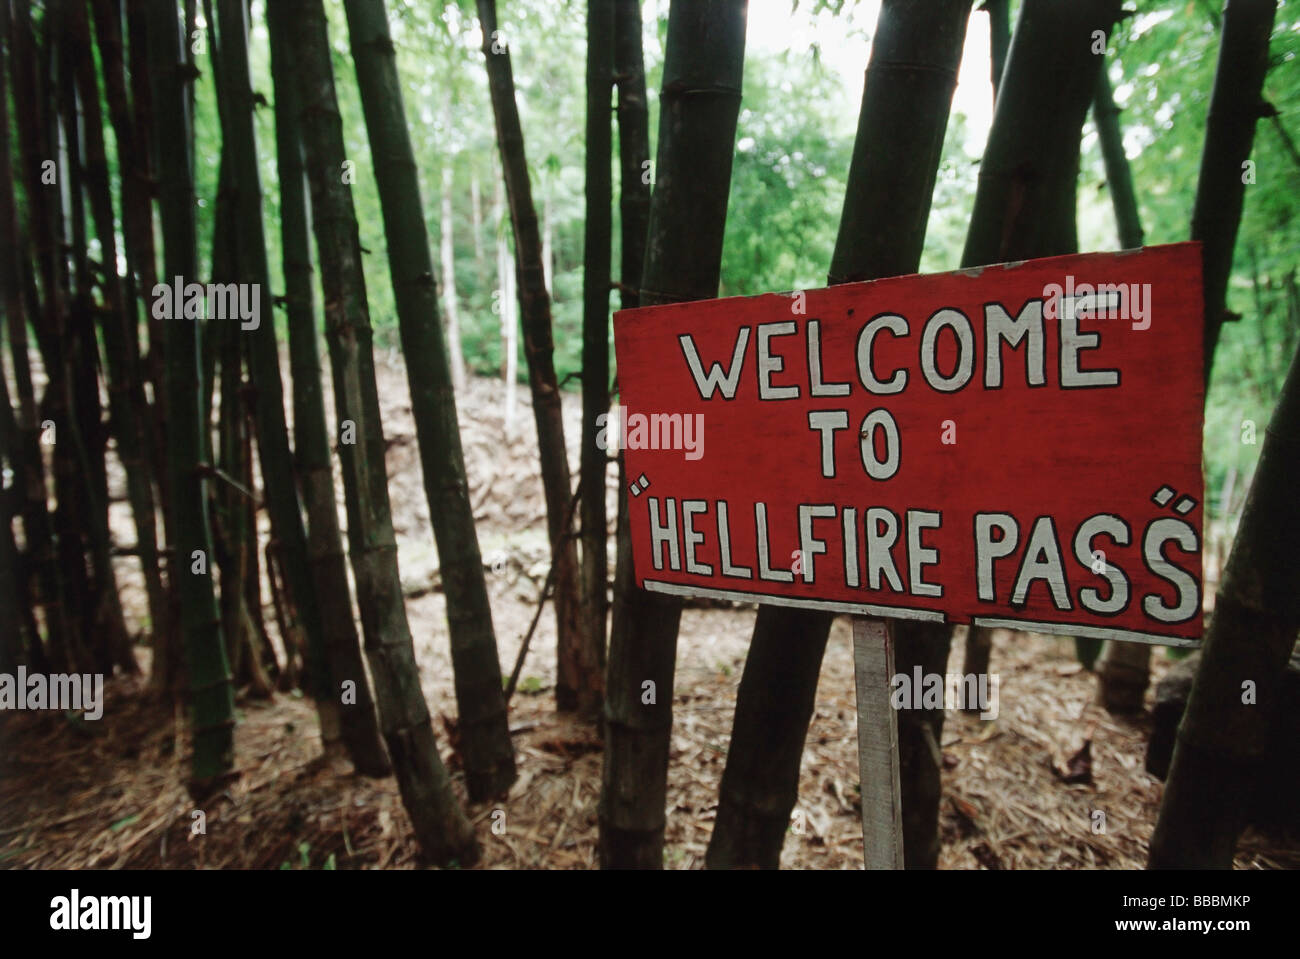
column 1015, row 446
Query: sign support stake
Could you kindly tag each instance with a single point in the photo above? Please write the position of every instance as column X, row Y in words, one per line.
column 882, row 810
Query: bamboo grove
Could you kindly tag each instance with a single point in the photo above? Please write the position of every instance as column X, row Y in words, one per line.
column 130, row 353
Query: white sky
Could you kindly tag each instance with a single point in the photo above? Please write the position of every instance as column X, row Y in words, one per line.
column 846, row 46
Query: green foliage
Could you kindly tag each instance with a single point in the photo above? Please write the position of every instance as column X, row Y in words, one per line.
column 953, row 199
column 787, row 182
column 530, row 685
column 304, row 859
column 793, row 148
column 1163, row 70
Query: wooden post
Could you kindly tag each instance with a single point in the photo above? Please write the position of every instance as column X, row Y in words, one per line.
column 882, row 811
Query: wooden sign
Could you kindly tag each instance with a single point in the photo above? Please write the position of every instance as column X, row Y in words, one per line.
column 1015, row 446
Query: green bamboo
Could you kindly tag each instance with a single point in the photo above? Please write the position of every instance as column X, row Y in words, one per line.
column 1238, row 687
column 278, row 479
column 699, row 109
column 633, row 156
column 230, row 526
column 13, row 592
column 1025, row 199
column 141, row 270
column 211, row 697
column 37, row 126
column 127, row 405
column 233, row 522
column 999, row 12
column 906, row 100
column 597, row 232
column 1236, row 103
column 83, row 437
column 634, row 206
column 29, row 481
column 166, row 665
column 578, row 676
column 1256, row 615
column 359, row 725
column 1119, row 178
column 1123, row 674
column 443, row 832
column 14, row 608
column 484, row 728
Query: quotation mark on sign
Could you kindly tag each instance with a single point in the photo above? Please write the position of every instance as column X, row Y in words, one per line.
column 639, row 485
column 1164, row 494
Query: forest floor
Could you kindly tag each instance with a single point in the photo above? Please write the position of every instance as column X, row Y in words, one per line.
column 110, row 794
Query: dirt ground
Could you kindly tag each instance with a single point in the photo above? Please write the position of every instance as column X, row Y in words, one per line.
column 110, row 794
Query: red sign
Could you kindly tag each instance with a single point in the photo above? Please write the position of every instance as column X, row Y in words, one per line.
column 1018, row 445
